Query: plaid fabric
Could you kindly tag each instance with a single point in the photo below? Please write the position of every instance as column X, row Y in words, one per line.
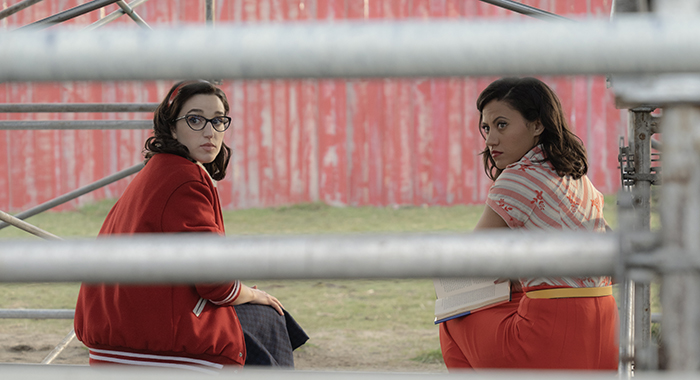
column 269, row 337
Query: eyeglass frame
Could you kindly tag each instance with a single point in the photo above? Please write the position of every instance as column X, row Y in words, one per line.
column 205, row 122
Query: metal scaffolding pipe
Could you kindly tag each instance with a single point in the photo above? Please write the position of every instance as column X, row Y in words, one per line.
column 59, row 348
column 356, row 49
column 77, row 107
column 75, row 372
column 195, row 257
column 75, row 124
column 680, row 200
column 640, row 131
column 68, row 14
column 76, row 193
column 209, row 10
column 628, row 6
column 113, row 16
column 12, row 9
column 37, row 313
column 134, row 16
column 525, row 9
column 632, row 91
column 22, row 225
column 625, row 297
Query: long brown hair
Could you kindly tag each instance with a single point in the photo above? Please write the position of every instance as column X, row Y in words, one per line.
column 162, row 140
column 537, row 102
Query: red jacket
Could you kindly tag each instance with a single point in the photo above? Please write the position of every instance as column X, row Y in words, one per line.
column 183, row 326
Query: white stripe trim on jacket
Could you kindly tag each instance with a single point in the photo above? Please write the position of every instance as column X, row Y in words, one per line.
column 232, row 296
column 143, row 360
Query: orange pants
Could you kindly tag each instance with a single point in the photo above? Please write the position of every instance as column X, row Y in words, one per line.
column 565, row 333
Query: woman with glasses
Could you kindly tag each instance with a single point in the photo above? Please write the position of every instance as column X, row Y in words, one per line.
column 539, row 171
column 179, row 326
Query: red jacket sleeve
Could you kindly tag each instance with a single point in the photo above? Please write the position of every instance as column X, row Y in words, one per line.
column 220, row 294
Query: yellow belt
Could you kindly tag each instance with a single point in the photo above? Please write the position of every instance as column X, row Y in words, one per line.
column 570, row 292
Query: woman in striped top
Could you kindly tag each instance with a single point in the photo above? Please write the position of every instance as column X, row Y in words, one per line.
column 539, row 171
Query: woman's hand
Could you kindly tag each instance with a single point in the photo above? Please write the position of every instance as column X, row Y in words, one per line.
column 259, row 297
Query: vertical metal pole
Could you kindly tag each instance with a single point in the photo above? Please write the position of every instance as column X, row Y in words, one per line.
column 641, row 131
column 626, row 222
column 680, row 218
column 681, row 232
column 631, row 294
column 210, row 8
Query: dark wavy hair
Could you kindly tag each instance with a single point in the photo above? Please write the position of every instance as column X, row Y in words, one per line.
column 162, row 140
column 537, row 102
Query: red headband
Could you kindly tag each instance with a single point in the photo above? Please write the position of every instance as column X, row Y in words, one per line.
column 177, row 89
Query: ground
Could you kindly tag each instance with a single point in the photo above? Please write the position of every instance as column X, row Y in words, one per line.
column 390, row 350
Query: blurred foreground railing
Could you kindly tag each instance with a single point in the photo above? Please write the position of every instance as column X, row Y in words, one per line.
column 193, row 257
column 360, row 49
column 28, row 372
column 641, row 45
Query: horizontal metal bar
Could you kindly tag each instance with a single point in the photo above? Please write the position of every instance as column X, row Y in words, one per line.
column 669, row 88
column 73, row 372
column 37, row 313
column 196, row 257
column 356, row 49
column 75, row 124
column 12, row 9
column 77, row 107
column 525, row 9
column 69, row 14
column 76, row 193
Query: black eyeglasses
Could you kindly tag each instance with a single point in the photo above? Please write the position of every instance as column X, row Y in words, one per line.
column 197, row 122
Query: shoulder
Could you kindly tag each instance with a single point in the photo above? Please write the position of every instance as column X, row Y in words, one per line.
column 521, row 188
column 166, row 163
column 166, row 175
column 171, row 170
column 532, row 172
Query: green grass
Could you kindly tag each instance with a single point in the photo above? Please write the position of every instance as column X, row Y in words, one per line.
column 368, row 305
column 310, row 218
column 320, row 218
column 429, row 356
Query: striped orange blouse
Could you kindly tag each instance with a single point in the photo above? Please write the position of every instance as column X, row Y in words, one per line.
column 529, row 194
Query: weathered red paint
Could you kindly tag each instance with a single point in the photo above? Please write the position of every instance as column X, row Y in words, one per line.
column 344, row 142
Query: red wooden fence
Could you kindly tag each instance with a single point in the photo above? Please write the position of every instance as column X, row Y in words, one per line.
column 354, row 142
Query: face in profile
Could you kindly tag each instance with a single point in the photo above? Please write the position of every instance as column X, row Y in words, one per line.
column 508, row 135
column 200, row 127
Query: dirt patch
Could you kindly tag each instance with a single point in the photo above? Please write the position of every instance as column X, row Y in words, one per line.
column 387, row 350
column 33, row 348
